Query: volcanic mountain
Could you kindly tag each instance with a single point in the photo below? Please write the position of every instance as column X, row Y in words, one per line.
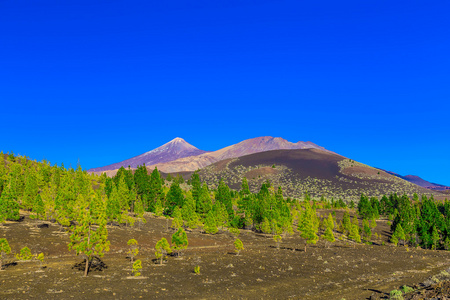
column 296, row 171
column 421, row 182
column 175, row 149
column 246, row 147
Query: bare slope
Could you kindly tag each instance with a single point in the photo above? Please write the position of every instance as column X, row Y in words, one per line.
column 176, row 148
column 316, row 171
column 250, row 146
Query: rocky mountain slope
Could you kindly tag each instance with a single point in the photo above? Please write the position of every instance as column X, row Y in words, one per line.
column 308, row 170
column 175, row 149
column 246, row 147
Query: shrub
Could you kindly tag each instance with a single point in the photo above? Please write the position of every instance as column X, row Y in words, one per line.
column 25, row 254
column 133, row 252
column 197, row 270
column 396, row 295
column 137, row 267
column 238, row 246
column 40, row 258
column 407, row 289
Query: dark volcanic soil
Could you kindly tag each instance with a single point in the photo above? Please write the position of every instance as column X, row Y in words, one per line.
column 344, row 270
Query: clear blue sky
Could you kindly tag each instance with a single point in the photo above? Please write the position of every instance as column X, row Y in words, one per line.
column 102, row 81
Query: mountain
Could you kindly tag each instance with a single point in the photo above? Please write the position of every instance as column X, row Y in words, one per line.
column 421, row 182
column 316, row 171
column 246, row 147
column 175, row 149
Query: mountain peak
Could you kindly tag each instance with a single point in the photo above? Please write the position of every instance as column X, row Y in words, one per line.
column 178, row 140
column 175, row 149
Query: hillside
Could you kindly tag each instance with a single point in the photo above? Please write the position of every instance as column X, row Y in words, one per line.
column 316, row 171
column 246, row 147
column 422, row 182
column 175, row 149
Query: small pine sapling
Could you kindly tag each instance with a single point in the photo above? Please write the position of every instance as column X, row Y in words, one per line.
column 134, row 249
column 137, row 267
column 25, row 254
column 40, row 258
column 277, row 239
column 162, row 249
column 4, row 249
column 238, row 246
column 197, row 270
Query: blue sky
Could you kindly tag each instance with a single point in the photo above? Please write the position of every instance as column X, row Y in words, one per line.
column 102, row 81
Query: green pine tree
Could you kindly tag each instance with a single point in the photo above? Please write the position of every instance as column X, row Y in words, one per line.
column 4, row 249
column 308, row 225
column 89, row 236
column 210, row 223
column 162, row 249
column 180, row 241
column 238, row 246
column 354, row 234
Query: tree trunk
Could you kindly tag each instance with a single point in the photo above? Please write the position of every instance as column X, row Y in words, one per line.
column 87, row 267
column 1, row 263
column 305, row 246
column 161, row 260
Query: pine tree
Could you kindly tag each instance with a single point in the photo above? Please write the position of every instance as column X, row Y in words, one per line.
column 4, row 249
column 177, row 221
column 175, row 197
column 31, row 191
column 220, row 214
column 238, row 246
column 156, row 190
column 367, row 230
column 137, row 267
column 399, row 234
column 354, row 234
column 307, row 225
column 188, row 213
column 346, row 223
column 87, row 240
column 162, row 249
column 139, row 211
column 113, row 205
column 223, row 196
column 210, row 223
column 204, row 204
column 196, row 187
column 9, row 208
column 265, row 226
column 329, row 225
column 180, row 240
column 134, row 249
column 331, row 221
column 435, row 237
column 277, row 240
